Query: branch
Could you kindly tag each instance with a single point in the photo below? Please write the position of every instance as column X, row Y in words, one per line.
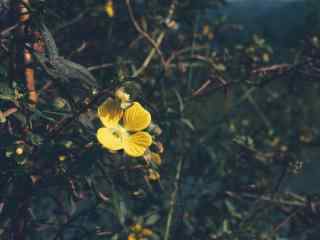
column 145, row 34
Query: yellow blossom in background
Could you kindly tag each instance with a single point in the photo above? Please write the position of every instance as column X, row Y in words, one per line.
column 132, row 237
column 139, row 232
column 123, row 128
column 206, row 29
column 19, row 151
column 62, row 158
column 109, row 8
column 137, row 228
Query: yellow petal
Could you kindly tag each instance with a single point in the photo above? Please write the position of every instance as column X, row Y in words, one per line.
column 110, row 113
column 108, row 139
column 136, row 144
column 136, row 118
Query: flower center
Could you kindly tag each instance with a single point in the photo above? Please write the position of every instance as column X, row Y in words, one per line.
column 119, row 132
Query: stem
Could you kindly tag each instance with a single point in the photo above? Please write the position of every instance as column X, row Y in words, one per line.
column 173, row 199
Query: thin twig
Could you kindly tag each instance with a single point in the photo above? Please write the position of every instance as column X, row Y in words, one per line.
column 286, row 220
column 145, row 34
column 150, row 56
column 173, row 199
column 158, row 43
column 101, row 66
column 6, row 31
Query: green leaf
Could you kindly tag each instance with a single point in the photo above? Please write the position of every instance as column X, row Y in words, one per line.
column 180, row 100
column 188, row 123
column 232, row 210
column 152, row 219
column 120, row 207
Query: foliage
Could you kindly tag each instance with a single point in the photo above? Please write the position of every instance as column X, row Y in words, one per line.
column 232, row 128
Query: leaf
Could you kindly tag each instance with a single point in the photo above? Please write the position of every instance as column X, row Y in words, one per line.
column 51, row 47
column 152, row 219
column 188, row 123
column 38, row 114
column 21, row 118
column 180, row 100
column 115, row 237
column 74, row 70
column 35, row 139
column 120, row 207
column 226, row 226
column 134, row 89
column 232, row 210
column 6, row 93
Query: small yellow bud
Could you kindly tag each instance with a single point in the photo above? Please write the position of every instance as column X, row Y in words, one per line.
column 146, row 232
column 62, row 158
column 206, row 29
column 136, row 228
column 154, row 128
column 132, row 237
column 155, row 157
column 109, row 8
column 19, row 151
column 153, row 175
column 122, row 95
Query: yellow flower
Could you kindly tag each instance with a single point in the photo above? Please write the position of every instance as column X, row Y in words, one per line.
column 132, row 237
column 123, row 128
column 108, row 8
